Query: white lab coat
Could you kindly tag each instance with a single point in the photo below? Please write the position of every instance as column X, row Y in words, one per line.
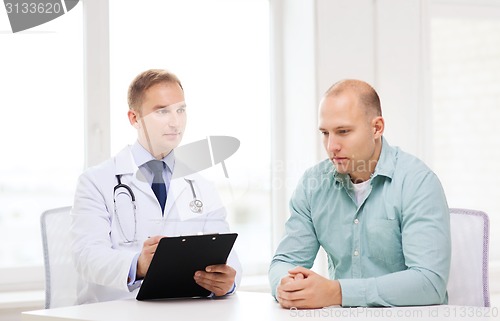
column 102, row 259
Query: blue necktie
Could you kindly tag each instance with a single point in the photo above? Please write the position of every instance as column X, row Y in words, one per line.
column 158, row 185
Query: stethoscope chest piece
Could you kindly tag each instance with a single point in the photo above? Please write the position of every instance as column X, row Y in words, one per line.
column 196, row 206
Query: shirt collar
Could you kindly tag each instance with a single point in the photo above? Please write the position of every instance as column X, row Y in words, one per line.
column 142, row 156
column 387, row 161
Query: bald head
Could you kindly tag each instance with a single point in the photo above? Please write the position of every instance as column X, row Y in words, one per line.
column 367, row 96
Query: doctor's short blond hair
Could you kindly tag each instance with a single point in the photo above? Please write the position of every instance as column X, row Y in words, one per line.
column 146, row 80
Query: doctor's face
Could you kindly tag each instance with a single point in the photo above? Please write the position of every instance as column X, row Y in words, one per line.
column 161, row 121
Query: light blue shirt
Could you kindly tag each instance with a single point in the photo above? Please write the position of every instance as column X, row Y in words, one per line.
column 393, row 249
column 142, row 156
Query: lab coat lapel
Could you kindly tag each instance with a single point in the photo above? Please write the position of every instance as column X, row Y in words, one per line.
column 124, row 162
column 125, row 165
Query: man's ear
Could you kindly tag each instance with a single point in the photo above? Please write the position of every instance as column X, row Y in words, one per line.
column 133, row 119
column 378, row 125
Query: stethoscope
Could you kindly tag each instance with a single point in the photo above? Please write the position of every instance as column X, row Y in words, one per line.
column 196, row 205
column 127, row 191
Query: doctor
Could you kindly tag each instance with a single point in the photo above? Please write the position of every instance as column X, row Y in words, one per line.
column 125, row 205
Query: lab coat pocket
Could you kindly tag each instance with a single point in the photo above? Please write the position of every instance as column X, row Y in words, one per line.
column 384, row 241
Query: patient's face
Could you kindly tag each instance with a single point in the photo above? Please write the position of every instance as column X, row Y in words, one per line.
column 348, row 135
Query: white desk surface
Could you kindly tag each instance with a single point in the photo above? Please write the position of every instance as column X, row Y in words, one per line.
column 246, row 305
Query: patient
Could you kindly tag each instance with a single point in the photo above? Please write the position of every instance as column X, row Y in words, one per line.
column 380, row 214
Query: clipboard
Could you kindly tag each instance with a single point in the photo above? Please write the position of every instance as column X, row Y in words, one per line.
column 171, row 272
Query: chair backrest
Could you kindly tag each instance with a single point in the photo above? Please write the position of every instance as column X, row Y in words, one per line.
column 60, row 274
column 468, row 283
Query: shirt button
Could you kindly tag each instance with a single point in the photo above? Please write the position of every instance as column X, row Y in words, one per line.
column 356, row 221
column 356, row 253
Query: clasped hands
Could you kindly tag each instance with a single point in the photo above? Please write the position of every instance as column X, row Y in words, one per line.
column 305, row 289
column 218, row 279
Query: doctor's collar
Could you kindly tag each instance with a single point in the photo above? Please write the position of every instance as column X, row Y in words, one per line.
column 142, row 156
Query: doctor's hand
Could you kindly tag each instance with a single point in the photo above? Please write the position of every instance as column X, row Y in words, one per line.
column 304, row 289
column 148, row 250
column 219, row 279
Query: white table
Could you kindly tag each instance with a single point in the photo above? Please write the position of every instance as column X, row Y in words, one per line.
column 245, row 306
